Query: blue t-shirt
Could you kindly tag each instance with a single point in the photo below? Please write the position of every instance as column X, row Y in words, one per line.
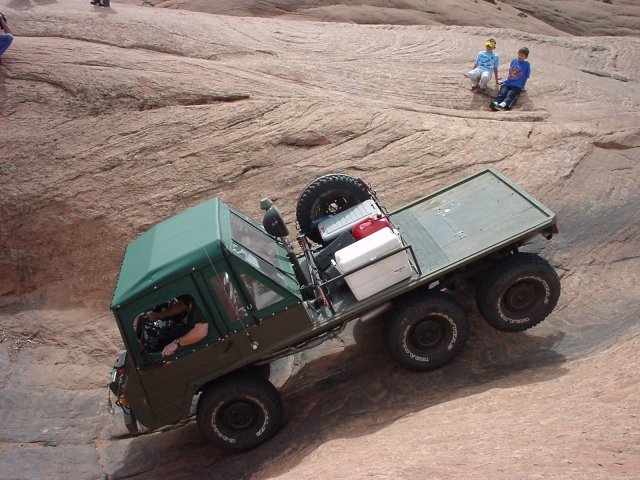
column 518, row 73
column 487, row 61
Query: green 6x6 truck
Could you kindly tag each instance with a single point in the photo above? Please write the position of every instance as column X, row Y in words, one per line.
column 208, row 298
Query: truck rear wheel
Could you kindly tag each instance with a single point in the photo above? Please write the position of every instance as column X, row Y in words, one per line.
column 518, row 293
column 327, row 196
column 240, row 412
column 426, row 331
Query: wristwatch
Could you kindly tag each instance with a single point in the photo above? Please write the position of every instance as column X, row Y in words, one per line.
column 177, row 342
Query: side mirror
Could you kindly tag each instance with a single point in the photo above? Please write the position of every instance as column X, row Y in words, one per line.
column 272, row 221
column 274, row 225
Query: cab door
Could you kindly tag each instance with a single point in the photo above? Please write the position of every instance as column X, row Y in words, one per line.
column 283, row 318
column 170, row 382
column 229, row 301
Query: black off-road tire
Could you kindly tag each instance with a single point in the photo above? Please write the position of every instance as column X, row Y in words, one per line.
column 239, row 412
column 426, row 331
column 327, row 196
column 518, row 293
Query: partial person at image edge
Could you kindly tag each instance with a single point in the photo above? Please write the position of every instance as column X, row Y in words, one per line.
column 7, row 37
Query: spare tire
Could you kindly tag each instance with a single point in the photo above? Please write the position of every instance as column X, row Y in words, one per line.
column 327, row 196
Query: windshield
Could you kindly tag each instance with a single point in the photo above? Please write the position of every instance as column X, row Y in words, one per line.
column 255, row 247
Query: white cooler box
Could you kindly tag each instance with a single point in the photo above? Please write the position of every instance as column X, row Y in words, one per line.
column 380, row 275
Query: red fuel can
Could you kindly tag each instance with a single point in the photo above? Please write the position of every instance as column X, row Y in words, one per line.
column 369, row 225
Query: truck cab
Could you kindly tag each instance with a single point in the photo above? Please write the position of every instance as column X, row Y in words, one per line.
column 235, row 277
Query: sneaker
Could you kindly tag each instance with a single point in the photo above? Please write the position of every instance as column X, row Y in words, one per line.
column 493, row 106
column 474, row 86
column 500, row 106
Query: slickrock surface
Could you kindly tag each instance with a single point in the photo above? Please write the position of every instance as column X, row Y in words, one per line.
column 114, row 119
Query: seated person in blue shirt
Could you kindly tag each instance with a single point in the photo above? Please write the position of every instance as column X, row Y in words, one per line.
column 519, row 72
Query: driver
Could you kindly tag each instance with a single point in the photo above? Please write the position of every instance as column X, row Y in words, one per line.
column 182, row 331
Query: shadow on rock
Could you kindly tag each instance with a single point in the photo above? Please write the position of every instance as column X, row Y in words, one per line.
column 29, row 4
column 354, row 392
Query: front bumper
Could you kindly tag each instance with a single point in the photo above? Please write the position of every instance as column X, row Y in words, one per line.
column 117, row 386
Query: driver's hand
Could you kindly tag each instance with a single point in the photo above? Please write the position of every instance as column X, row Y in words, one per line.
column 170, row 349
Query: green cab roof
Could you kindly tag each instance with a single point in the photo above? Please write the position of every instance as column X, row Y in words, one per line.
column 170, row 250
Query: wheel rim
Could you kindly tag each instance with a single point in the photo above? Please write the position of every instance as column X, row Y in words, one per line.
column 332, row 204
column 428, row 334
column 239, row 416
column 522, row 298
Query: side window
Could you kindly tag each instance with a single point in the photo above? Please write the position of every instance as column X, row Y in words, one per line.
column 261, row 295
column 157, row 327
column 259, row 264
column 232, row 303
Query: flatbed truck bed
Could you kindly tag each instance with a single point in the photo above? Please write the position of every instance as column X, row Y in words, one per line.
column 448, row 230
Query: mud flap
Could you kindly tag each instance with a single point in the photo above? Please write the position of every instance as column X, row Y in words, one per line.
column 130, row 420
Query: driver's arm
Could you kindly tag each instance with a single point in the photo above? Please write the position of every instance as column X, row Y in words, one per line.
column 197, row 333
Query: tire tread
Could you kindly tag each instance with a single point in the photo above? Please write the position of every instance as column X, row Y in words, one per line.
column 501, row 276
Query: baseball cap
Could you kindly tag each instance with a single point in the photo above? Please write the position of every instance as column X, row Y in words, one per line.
column 491, row 43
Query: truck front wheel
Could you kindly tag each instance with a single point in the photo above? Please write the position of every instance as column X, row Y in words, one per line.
column 518, row 293
column 426, row 331
column 239, row 412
